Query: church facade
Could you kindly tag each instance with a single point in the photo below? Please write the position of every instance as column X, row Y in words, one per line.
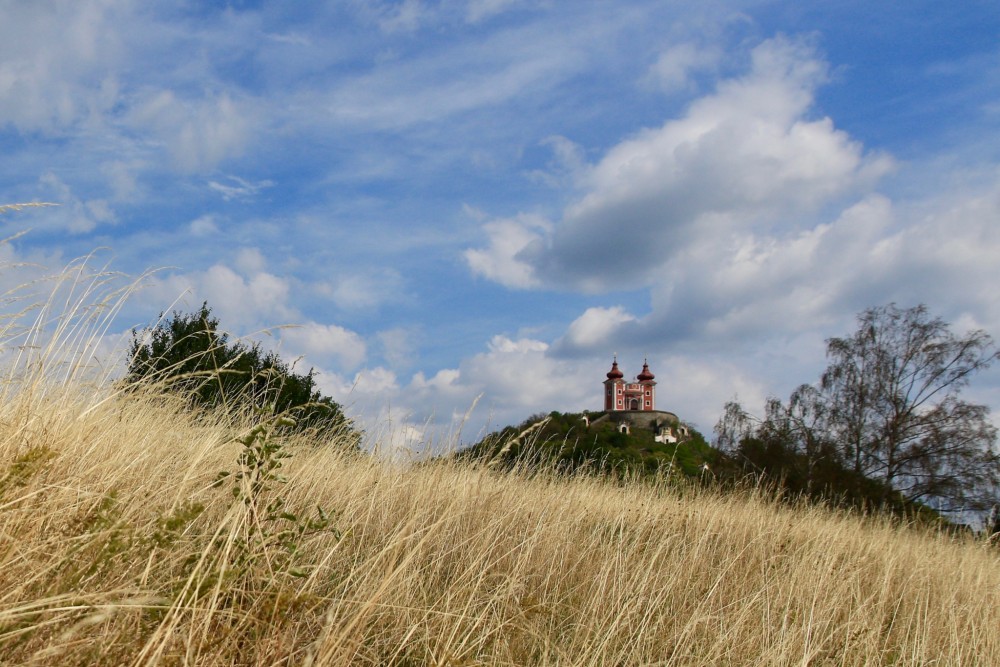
column 637, row 395
column 632, row 404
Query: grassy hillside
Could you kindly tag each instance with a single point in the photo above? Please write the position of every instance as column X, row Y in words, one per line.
column 116, row 548
column 566, row 441
column 135, row 532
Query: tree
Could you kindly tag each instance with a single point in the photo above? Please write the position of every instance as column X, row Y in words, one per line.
column 190, row 354
column 790, row 449
column 893, row 390
column 888, row 409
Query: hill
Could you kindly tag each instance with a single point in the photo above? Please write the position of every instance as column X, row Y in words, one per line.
column 650, row 445
column 613, row 442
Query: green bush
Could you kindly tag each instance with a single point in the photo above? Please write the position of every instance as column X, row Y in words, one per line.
column 190, row 354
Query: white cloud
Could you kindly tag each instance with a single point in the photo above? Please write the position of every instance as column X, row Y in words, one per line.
column 250, row 260
column 746, row 155
column 513, row 377
column 567, row 165
column 397, row 345
column 597, row 327
column 322, row 344
column 673, row 69
column 377, row 382
column 204, row 226
column 507, row 238
column 241, row 303
column 54, row 64
column 473, row 75
column 697, row 388
column 401, row 17
column 239, row 188
column 74, row 214
column 444, row 380
column 363, row 288
column 123, row 178
column 199, row 133
column 481, row 10
column 517, row 377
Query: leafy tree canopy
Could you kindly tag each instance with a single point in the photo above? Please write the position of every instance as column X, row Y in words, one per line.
column 886, row 421
column 190, row 354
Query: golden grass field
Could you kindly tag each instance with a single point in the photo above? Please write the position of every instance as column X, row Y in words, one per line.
column 105, row 558
column 117, row 549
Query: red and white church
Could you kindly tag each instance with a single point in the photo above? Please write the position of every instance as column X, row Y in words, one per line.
column 637, row 395
column 632, row 404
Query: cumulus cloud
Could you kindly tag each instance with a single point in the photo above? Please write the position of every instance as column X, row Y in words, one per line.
column 397, row 345
column 260, row 299
column 596, row 328
column 747, row 155
column 513, row 376
column 250, row 260
column 696, row 388
column 204, row 225
column 323, row 344
column 507, row 239
column 752, row 327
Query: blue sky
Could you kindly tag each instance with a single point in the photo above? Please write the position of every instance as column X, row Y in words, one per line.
column 489, row 198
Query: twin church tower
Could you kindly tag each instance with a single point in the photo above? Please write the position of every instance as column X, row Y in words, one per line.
column 632, row 404
column 636, row 395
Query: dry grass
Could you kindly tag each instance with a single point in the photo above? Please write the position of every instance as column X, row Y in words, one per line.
column 116, row 548
column 440, row 564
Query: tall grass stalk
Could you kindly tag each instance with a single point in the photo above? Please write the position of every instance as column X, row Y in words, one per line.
column 116, row 547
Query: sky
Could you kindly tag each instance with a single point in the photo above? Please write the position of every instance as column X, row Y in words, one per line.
column 466, row 208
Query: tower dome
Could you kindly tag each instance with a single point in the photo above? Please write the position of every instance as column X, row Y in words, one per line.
column 614, row 373
column 645, row 375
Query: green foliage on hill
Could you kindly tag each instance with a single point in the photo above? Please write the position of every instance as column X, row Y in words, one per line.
column 566, row 441
column 770, row 461
column 886, row 425
column 191, row 355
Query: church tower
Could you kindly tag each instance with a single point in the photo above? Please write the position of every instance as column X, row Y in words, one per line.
column 637, row 395
column 614, row 388
column 647, row 388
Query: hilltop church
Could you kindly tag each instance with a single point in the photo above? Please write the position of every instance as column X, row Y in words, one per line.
column 639, row 394
column 632, row 404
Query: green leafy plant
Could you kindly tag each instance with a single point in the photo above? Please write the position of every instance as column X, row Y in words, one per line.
column 274, row 532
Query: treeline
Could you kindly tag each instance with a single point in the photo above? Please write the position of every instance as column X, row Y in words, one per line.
column 885, row 425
